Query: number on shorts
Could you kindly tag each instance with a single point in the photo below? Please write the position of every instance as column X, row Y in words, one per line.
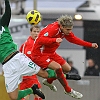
column 32, row 65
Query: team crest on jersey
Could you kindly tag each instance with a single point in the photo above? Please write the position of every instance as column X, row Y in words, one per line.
column 2, row 29
column 46, row 34
column 28, row 52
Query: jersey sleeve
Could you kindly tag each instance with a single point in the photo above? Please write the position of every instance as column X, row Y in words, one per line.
column 73, row 39
column 26, row 47
column 5, row 20
column 47, row 40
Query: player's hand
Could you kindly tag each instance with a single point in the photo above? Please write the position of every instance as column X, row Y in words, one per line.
column 59, row 40
column 94, row 45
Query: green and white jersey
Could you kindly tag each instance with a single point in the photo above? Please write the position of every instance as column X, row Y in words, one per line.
column 7, row 46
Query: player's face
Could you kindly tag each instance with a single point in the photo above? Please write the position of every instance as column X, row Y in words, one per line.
column 66, row 30
column 35, row 32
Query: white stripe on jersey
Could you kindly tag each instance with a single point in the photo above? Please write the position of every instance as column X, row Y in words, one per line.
column 3, row 29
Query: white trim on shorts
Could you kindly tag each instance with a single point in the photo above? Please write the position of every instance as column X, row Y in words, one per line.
column 17, row 67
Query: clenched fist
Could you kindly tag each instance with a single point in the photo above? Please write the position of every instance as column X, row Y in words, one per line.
column 59, row 40
column 94, row 45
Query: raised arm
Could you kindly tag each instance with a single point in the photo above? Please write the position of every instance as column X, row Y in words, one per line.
column 5, row 20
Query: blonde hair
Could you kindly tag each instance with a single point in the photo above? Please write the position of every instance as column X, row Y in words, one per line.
column 65, row 21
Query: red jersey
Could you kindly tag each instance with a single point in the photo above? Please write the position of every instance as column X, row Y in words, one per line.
column 46, row 41
column 27, row 46
column 28, row 81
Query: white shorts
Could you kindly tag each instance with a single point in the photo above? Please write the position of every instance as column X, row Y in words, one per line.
column 17, row 67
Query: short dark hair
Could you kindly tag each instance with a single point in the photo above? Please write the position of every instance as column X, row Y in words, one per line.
column 34, row 26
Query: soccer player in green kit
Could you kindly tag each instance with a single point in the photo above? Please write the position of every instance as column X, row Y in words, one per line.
column 16, row 64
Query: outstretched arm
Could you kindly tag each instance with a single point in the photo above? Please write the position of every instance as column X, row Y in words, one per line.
column 5, row 20
column 73, row 39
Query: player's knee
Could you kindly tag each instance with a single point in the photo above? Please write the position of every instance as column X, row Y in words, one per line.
column 45, row 75
column 13, row 97
column 42, row 73
column 66, row 70
column 54, row 65
column 66, row 67
column 69, row 68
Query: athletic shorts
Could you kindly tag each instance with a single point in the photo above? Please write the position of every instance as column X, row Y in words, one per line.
column 28, row 82
column 45, row 59
column 17, row 67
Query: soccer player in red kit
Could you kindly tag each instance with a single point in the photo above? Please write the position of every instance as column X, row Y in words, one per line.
column 44, row 50
column 25, row 48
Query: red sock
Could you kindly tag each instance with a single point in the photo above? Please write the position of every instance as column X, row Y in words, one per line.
column 50, row 80
column 63, row 80
column 37, row 98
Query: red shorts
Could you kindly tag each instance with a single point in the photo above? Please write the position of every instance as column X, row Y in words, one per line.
column 28, row 82
column 44, row 60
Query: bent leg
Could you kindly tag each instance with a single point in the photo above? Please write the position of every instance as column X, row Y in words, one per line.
column 19, row 94
column 62, row 80
column 13, row 95
column 46, row 74
column 24, row 93
column 66, row 67
column 70, row 76
column 60, row 75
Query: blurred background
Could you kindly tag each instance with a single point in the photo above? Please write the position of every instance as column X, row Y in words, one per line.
column 86, row 16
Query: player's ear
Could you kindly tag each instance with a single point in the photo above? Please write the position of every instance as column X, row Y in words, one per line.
column 61, row 26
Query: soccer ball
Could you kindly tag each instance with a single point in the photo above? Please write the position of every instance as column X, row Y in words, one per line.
column 33, row 17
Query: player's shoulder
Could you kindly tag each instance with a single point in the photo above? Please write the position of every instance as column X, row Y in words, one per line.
column 52, row 25
column 30, row 40
column 55, row 24
column 55, row 27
